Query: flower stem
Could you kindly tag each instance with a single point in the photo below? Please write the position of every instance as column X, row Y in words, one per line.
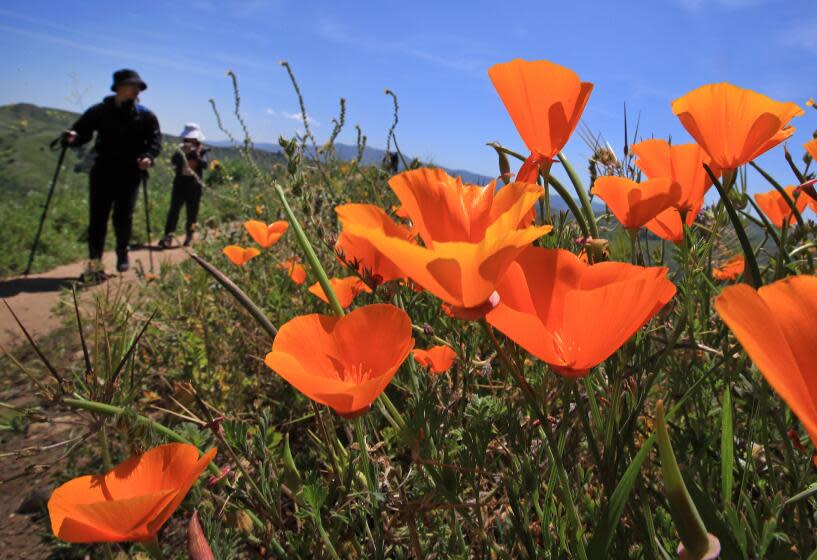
column 551, row 445
column 589, row 215
column 153, row 548
column 111, row 410
column 311, row 257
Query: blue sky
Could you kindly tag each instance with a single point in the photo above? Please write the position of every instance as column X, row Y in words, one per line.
column 434, row 55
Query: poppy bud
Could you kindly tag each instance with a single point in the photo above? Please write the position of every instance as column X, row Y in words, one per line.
column 695, row 541
column 197, row 545
column 504, row 164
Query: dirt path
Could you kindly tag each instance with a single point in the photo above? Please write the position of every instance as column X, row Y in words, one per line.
column 34, row 298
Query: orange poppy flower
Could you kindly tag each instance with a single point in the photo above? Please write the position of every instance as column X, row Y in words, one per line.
column 347, row 289
column 731, row 269
column 684, row 164
column 635, row 204
column 358, row 250
column 266, row 235
column 734, row 125
column 437, row 359
column 470, row 233
column 343, row 362
column 573, row 315
column 132, row 501
column 811, row 147
column 777, row 209
column 295, row 270
column 545, row 102
column 777, row 326
column 239, row 255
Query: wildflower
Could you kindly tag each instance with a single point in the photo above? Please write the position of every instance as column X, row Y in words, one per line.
column 811, row 147
column 731, row 269
column 437, row 359
column 777, row 326
column 346, row 289
column 359, row 251
column 295, row 270
column 132, row 501
column 470, row 233
column 635, row 204
column 343, row 362
column 777, row 209
column 684, row 164
column 545, row 102
column 573, row 315
column 239, row 256
column 215, row 164
column 734, row 125
column 266, row 235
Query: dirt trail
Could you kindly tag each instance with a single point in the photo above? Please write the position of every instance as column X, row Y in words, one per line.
column 35, row 297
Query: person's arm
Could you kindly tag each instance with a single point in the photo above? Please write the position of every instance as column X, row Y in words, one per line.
column 153, row 137
column 85, row 126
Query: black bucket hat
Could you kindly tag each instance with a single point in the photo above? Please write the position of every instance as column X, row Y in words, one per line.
column 127, row 76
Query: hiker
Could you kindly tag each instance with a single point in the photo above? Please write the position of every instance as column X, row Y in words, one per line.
column 128, row 140
column 190, row 161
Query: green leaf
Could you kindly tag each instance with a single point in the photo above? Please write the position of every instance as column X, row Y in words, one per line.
column 606, row 529
column 727, row 448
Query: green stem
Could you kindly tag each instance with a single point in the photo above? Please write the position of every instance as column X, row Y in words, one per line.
column 589, row 215
column 551, row 445
column 153, row 548
column 111, row 410
column 753, row 272
column 371, row 483
column 311, row 257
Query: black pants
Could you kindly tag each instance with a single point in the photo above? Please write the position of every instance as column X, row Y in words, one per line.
column 187, row 193
column 112, row 187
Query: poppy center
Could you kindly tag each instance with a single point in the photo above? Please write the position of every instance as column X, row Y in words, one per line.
column 356, row 374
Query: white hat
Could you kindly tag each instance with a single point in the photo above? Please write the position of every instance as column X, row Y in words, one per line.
column 192, row 131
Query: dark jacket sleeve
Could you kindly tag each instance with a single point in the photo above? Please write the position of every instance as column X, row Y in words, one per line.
column 85, row 126
column 153, row 137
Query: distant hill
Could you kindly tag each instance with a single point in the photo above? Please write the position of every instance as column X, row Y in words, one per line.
column 26, row 163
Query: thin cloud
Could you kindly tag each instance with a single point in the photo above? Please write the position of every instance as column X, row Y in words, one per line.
column 338, row 33
column 298, row 117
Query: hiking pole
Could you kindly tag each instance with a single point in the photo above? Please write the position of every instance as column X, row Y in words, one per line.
column 147, row 217
column 47, row 202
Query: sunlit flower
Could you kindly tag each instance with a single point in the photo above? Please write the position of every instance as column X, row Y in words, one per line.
column 777, row 209
column 266, row 235
column 545, row 102
column 734, row 125
column 777, row 326
column 240, row 255
column 470, row 233
column 635, row 204
column 437, row 359
column 731, row 269
column 295, row 270
column 358, row 250
column 132, row 501
column 684, row 164
column 346, row 289
column 343, row 362
column 572, row 315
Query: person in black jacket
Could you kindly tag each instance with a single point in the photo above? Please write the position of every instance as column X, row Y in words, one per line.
column 190, row 161
column 128, row 140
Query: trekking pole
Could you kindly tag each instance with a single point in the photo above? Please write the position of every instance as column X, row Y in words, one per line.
column 47, row 202
column 147, row 216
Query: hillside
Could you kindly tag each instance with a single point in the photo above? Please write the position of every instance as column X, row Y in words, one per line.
column 27, row 165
